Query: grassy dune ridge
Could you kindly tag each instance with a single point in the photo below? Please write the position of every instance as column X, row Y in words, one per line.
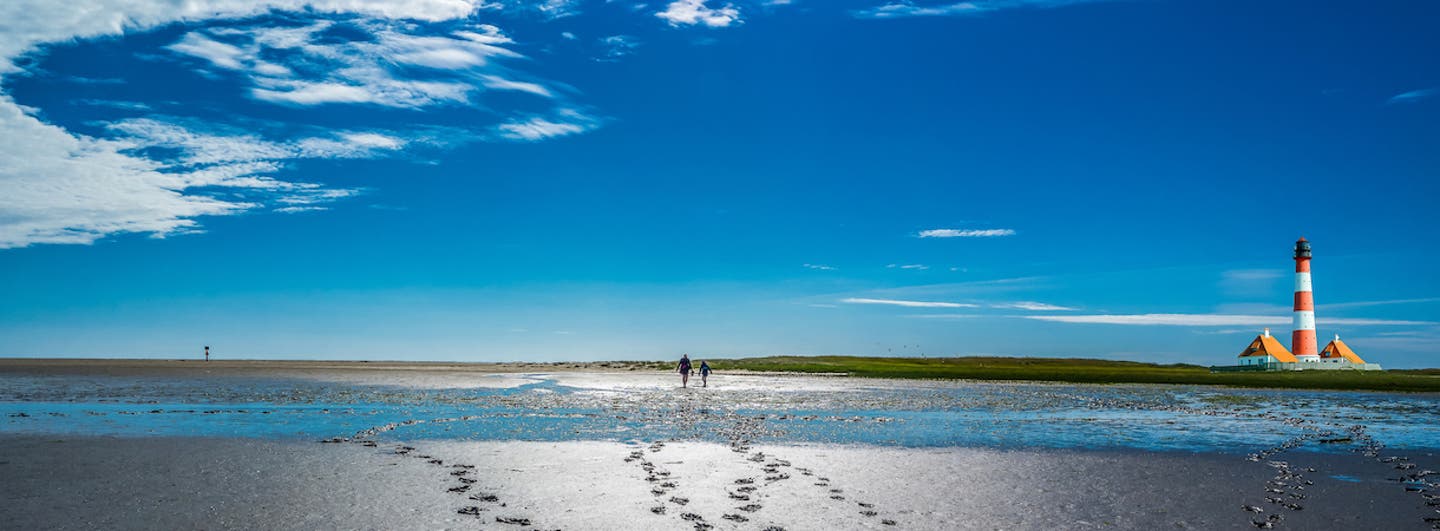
column 1083, row 371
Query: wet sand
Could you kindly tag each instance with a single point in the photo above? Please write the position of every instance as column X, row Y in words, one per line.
column 195, row 483
column 404, row 450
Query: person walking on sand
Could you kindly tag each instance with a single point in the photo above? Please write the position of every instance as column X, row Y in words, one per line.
column 704, row 374
column 684, row 369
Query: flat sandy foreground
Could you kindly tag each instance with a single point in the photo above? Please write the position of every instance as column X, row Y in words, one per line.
column 86, row 482
column 185, row 483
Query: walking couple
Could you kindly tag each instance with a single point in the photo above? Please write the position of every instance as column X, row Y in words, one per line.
column 686, row 368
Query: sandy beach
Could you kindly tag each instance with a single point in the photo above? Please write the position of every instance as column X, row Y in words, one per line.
column 193, row 483
column 179, row 445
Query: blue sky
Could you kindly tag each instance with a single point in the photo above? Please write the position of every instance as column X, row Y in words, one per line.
column 590, row 179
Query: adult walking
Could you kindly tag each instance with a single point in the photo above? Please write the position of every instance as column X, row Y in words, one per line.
column 684, row 369
column 704, row 374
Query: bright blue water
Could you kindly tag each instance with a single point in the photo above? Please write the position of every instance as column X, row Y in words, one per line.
column 998, row 415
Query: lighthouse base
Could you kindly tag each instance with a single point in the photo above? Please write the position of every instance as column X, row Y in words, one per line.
column 1301, row 366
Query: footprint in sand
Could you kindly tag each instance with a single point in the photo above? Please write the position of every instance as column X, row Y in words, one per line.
column 750, row 508
column 735, row 518
column 658, row 509
column 679, row 500
column 511, row 520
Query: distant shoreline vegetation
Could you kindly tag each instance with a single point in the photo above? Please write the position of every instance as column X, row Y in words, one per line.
column 1069, row 370
column 1094, row 371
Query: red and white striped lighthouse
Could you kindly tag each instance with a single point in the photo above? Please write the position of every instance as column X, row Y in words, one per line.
column 1302, row 340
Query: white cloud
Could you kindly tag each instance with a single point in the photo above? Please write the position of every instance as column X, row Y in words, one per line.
column 617, row 46
column 115, row 104
column 1184, row 319
column 914, row 267
column 820, row 267
column 1033, row 306
column 907, row 8
column 218, row 53
column 1413, row 96
column 567, row 122
column 909, row 304
column 487, row 34
column 361, row 71
column 554, row 9
column 160, row 176
column 348, row 146
column 198, row 148
column 298, row 209
column 693, row 12
column 500, row 83
column 307, row 93
column 957, row 233
column 1361, row 304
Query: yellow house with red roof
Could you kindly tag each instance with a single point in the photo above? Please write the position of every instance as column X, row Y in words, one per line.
column 1338, row 352
column 1266, row 350
column 1265, row 353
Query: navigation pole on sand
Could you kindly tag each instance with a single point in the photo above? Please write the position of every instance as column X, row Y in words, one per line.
column 1302, row 340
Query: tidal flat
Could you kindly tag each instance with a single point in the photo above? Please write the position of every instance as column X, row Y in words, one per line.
column 109, row 444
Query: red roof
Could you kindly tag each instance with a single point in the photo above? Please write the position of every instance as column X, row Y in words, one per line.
column 1266, row 345
column 1338, row 349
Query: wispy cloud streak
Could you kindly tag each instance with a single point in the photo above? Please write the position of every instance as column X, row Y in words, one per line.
column 909, row 304
column 1414, row 96
column 1362, row 304
column 1033, row 306
column 970, row 233
column 906, row 8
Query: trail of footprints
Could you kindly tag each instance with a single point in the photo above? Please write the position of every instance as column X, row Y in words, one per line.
column 1285, row 489
column 478, row 502
column 746, row 492
column 1414, row 481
